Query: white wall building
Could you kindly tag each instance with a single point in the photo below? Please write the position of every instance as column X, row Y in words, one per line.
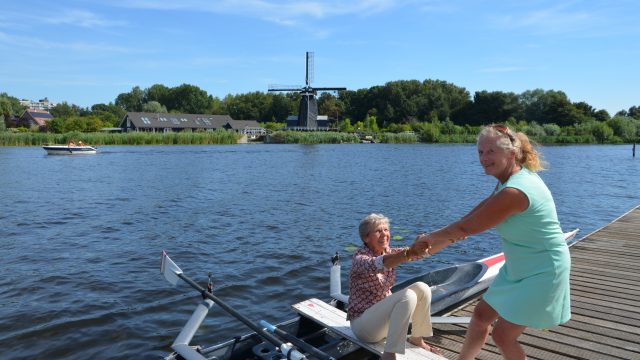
column 42, row 104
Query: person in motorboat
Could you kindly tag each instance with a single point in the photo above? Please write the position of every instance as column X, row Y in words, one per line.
column 376, row 313
column 532, row 288
column 72, row 144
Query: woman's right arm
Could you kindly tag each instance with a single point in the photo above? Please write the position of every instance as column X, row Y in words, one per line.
column 489, row 213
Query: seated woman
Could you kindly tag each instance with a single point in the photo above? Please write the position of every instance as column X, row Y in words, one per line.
column 376, row 313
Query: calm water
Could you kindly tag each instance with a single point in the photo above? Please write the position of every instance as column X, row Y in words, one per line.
column 82, row 235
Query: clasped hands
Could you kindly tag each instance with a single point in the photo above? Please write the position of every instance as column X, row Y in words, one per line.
column 423, row 244
column 419, row 249
column 426, row 244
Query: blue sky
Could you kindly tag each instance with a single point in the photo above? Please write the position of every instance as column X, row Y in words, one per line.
column 88, row 52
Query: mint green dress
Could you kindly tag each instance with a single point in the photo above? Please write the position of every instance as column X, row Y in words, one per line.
column 532, row 288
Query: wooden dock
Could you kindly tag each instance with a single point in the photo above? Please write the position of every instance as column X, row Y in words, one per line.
column 605, row 303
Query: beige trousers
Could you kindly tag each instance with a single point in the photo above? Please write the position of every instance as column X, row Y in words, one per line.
column 390, row 318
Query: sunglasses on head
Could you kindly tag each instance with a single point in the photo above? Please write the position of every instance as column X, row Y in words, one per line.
column 503, row 129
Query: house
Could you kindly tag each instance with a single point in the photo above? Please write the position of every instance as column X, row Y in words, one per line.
column 42, row 104
column 249, row 127
column 162, row 122
column 322, row 122
column 32, row 117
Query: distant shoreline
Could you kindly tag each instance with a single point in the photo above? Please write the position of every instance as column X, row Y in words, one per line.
column 223, row 137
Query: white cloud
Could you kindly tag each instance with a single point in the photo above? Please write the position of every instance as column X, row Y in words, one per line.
column 284, row 12
column 38, row 44
column 82, row 18
column 557, row 19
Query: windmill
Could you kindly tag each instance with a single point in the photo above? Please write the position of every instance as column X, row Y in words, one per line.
column 308, row 110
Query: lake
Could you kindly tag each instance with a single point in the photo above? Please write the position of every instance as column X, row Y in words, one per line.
column 82, row 235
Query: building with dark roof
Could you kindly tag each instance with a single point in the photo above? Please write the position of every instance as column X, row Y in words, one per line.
column 162, row 122
column 322, row 123
column 31, row 118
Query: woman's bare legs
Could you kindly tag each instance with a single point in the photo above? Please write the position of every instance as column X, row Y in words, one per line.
column 505, row 335
column 483, row 317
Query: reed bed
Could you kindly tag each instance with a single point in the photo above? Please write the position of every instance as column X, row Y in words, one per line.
column 134, row 138
column 279, row 137
column 401, row 138
column 312, row 137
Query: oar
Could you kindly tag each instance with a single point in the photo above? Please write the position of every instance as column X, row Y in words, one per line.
column 172, row 273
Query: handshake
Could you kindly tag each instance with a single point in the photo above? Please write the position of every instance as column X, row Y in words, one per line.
column 426, row 245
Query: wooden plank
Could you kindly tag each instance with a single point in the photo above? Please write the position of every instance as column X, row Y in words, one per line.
column 607, row 325
column 336, row 320
column 544, row 345
column 583, row 268
column 580, row 292
column 611, row 290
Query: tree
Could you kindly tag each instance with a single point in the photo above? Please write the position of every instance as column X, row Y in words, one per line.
column 493, row 107
column 585, row 109
column 551, row 129
column 110, row 114
column 446, row 99
column 217, row 107
column 250, row 106
column 447, row 127
column 64, row 110
column 370, row 124
column 534, row 130
column 329, row 105
column 601, row 132
column 56, row 125
column 601, row 115
column 9, row 107
column 157, row 92
column 154, row 107
column 131, row 101
column 428, row 132
column 623, row 127
column 396, row 101
column 345, row 126
column 189, row 99
column 533, row 105
column 552, row 106
column 281, row 107
column 634, row 112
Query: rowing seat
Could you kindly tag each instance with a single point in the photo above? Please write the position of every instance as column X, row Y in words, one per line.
column 336, row 320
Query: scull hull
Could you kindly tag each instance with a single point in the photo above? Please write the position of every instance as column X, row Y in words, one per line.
column 450, row 287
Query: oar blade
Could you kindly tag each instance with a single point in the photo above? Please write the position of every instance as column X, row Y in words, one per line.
column 169, row 269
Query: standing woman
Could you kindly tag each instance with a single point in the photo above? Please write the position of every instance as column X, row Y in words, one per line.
column 532, row 288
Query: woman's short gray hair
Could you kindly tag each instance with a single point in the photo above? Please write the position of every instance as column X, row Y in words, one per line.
column 370, row 221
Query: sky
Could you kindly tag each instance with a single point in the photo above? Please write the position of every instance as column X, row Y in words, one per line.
column 86, row 52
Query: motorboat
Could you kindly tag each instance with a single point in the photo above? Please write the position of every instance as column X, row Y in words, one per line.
column 70, row 150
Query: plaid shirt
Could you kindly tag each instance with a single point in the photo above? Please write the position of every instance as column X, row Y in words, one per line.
column 369, row 280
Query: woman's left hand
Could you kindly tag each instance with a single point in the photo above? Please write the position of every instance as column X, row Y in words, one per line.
column 422, row 244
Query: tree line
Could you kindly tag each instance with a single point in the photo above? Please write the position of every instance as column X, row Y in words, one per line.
column 429, row 106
